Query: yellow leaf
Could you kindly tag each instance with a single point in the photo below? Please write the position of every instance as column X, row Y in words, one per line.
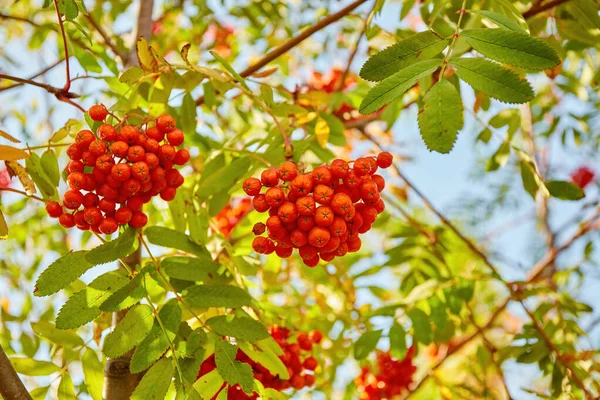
column 306, row 118
column 145, row 55
column 15, row 168
column 3, row 227
column 322, row 131
column 8, row 153
column 9, row 137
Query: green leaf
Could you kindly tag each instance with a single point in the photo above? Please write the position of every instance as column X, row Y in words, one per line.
column 31, row 367
column 155, row 383
column 394, row 87
column 193, row 269
column 209, row 385
column 158, row 340
column 83, row 306
column 366, row 344
column 263, row 355
column 528, row 177
column 229, row 68
column 493, row 80
column 188, row 119
column 397, row 338
column 165, row 237
column 420, row 46
column 66, row 389
column 131, row 75
column 499, row 158
column 224, row 178
column 421, row 327
column 93, row 374
column 50, row 165
column 241, row 328
column 130, row 331
column 441, row 117
column 565, row 190
column 501, row 20
column 71, row 12
column 63, row 338
column 514, row 48
column 233, row 371
column 61, row 273
column 205, row 296
column 113, row 250
column 129, row 294
column 36, row 171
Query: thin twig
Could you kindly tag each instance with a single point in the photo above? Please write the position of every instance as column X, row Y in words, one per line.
column 296, row 40
column 42, row 72
column 538, row 8
column 107, row 39
column 461, row 12
column 7, row 189
column 67, row 86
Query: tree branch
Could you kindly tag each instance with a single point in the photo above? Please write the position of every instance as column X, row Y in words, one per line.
column 67, row 86
column 107, row 39
column 42, row 72
column 11, row 387
column 296, row 40
column 538, row 8
column 21, row 19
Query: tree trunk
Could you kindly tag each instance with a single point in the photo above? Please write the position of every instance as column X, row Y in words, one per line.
column 11, row 387
column 119, row 383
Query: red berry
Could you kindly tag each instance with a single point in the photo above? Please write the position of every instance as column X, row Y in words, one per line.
column 582, row 177
column 181, row 157
column 324, row 216
column 269, row 178
column 129, row 134
column 385, row 159
column 318, row 236
column 120, row 172
column 72, row 199
column 135, row 203
column 165, row 123
column 119, row 149
column 259, row 202
column 74, row 152
column 310, row 363
column 275, row 197
column 166, row 153
column 66, row 220
column 108, row 226
column 106, row 205
column 92, row 215
column 315, row 336
column 136, row 153
column 54, row 209
column 75, row 166
column 252, row 186
column 258, row 228
column 153, row 133
column 138, row 220
column 98, row 112
column 123, row 215
column 107, row 132
column 76, row 180
column 174, row 178
column 339, row 168
column 287, row 171
column 90, row 200
column 175, row 137
column 322, row 175
column 84, row 138
column 168, row 193
column 97, row 148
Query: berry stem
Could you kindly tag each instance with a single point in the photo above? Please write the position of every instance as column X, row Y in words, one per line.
column 67, row 86
column 461, row 12
column 22, row 193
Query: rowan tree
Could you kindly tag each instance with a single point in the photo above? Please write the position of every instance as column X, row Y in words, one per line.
column 316, row 199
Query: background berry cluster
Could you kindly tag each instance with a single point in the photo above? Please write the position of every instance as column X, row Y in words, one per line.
column 388, row 379
column 116, row 170
column 321, row 213
column 297, row 356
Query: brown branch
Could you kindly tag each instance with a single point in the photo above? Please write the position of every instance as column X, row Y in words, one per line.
column 64, row 37
column 119, row 382
column 107, row 39
column 293, row 42
column 42, row 72
column 11, row 387
column 559, row 357
column 60, row 93
column 7, row 189
column 21, row 19
column 538, row 8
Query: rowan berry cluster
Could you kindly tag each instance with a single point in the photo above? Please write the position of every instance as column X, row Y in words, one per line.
column 120, row 168
column 231, row 215
column 321, row 213
column 391, row 377
column 297, row 356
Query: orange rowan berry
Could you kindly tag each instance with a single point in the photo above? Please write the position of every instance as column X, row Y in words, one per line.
column 385, row 159
column 362, row 166
column 288, row 171
column 275, row 197
column 98, row 112
column 318, row 236
column 322, row 175
column 339, row 168
column 287, row 212
column 305, row 205
column 269, row 178
column 260, row 203
column 324, row 216
column 354, row 245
